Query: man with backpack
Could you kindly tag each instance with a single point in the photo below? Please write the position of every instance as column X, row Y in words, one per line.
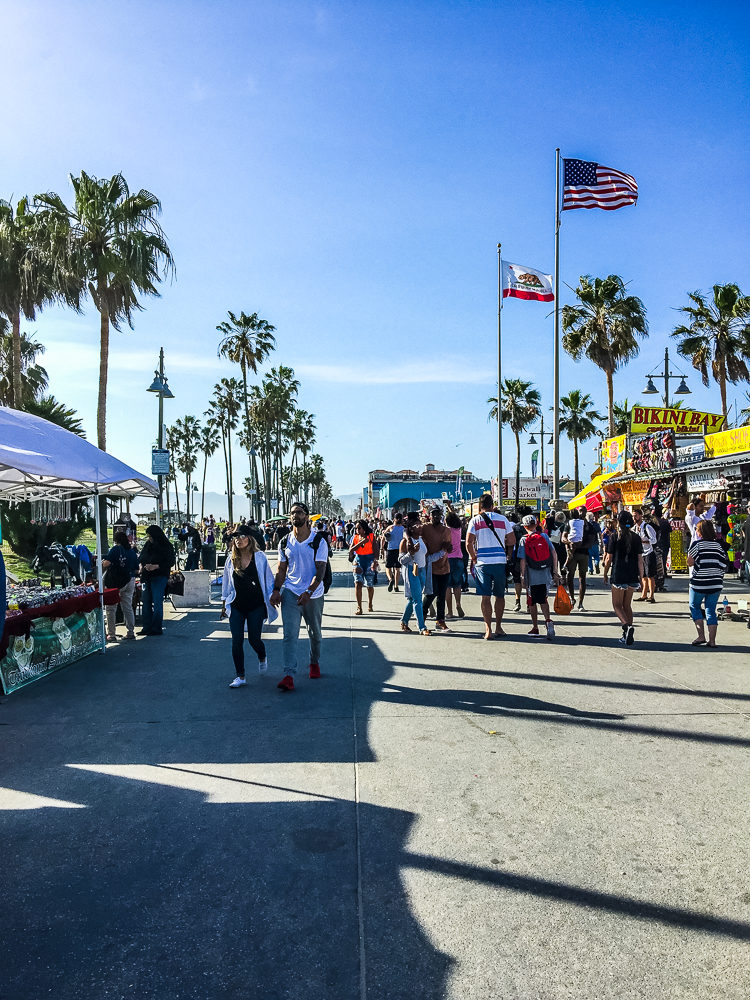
column 489, row 538
column 299, row 588
column 579, row 538
column 538, row 560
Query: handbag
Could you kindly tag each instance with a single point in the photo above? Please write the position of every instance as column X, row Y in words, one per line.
column 176, row 584
column 562, row 601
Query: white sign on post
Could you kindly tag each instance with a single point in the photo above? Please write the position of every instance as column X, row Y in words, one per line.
column 159, row 462
column 274, row 504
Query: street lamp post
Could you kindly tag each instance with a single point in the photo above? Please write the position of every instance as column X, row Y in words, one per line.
column 161, row 387
column 532, row 440
column 681, row 390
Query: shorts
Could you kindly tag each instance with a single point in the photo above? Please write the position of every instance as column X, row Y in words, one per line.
column 649, row 564
column 490, row 579
column 456, row 577
column 515, row 570
column 363, row 571
column 391, row 559
column 578, row 560
column 538, row 593
column 626, row 586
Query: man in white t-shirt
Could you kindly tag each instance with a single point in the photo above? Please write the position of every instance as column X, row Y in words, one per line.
column 489, row 540
column 696, row 512
column 298, row 588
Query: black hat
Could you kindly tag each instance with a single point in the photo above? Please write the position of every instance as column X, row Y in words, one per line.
column 243, row 529
column 299, row 503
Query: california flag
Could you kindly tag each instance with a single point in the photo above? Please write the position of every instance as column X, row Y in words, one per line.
column 526, row 283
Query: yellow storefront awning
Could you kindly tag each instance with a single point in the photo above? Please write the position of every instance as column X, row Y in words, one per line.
column 580, row 499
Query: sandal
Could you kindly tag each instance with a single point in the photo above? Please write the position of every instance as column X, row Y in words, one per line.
column 698, row 642
column 358, row 611
column 425, row 631
column 405, row 627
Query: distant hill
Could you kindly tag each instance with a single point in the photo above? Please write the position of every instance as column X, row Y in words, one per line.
column 216, row 504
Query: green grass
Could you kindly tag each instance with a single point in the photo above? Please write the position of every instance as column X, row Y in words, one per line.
column 21, row 568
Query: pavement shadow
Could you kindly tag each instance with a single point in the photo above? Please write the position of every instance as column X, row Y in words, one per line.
column 201, row 842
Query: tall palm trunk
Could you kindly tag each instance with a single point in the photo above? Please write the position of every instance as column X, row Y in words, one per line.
column 101, row 406
column 723, row 390
column 226, row 474
column 610, row 402
column 518, row 467
column 16, row 390
column 575, row 462
column 177, row 497
column 166, row 490
column 203, row 490
column 250, row 455
column 230, row 488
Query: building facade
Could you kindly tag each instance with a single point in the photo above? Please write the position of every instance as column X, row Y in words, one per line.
column 406, row 489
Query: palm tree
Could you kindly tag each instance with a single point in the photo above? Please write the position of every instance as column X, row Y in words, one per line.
column 224, row 408
column 208, row 442
column 247, row 341
column 717, row 335
column 520, row 406
column 604, row 328
column 188, row 431
column 116, row 251
column 577, row 420
column 621, row 414
column 173, row 446
column 743, row 417
column 29, row 278
column 56, row 412
column 32, row 377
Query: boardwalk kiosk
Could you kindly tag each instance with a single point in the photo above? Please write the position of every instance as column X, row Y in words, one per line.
column 39, row 460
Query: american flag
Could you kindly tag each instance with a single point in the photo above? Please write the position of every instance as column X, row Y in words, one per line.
column 590, row 185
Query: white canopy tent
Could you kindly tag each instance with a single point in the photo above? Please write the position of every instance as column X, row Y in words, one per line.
column 40, row 460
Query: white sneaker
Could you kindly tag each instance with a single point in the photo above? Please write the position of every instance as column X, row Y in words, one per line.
column 238, row 682
column 550, row 630
column 262, row 666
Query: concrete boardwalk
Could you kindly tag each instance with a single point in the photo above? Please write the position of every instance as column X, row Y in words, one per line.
column 435, row 817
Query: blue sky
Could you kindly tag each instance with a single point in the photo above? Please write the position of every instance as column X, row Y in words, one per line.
column 347, row 169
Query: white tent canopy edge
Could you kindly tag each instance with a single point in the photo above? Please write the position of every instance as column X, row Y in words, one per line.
column 38, row 459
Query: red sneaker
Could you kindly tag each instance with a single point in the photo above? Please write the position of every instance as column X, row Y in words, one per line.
column 286, row 683
column 314, row 670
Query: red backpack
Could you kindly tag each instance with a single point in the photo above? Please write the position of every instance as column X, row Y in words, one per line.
column 537, row 551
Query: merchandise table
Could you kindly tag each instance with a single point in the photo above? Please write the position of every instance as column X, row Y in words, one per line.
column 40, row 639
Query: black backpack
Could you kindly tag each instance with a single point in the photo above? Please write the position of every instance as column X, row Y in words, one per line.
column 328, row 574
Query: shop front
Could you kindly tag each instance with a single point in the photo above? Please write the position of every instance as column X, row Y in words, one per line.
column 47, row 628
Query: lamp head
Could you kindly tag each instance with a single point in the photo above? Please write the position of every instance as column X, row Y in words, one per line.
column 532, row 439
column 157, row 385
column 683, row 389
column 650, row 388
column 166, row 391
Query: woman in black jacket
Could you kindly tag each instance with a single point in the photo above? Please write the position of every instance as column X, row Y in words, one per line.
column 157, row 559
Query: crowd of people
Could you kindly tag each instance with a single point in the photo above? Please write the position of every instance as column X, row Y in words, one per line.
column 434, row 556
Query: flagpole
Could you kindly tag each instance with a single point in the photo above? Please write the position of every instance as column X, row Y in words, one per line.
column 499, row 376
column 556, row 363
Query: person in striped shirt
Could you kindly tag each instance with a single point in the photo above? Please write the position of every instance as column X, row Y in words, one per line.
column 709, row 563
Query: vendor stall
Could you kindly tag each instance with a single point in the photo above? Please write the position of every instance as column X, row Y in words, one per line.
column 48, row 629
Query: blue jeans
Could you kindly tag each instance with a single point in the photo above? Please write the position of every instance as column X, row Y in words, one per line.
column 153, row 603
column 414, row 603
column 254, row 619
column 697, row 598
column 291, row 618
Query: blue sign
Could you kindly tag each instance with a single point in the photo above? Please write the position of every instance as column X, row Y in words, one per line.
column 159, row 462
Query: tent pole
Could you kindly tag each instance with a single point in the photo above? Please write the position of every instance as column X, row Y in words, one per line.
column 99, row 557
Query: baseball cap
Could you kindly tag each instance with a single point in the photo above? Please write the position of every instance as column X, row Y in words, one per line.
column 528, row 521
